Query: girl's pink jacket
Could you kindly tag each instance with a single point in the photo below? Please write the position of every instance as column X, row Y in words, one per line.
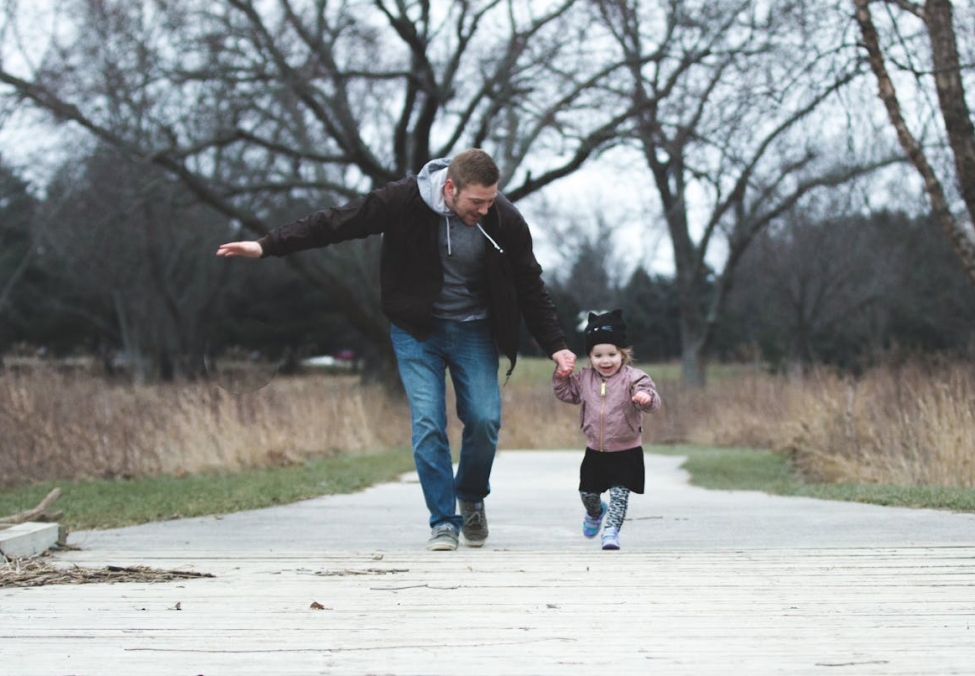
column 608, row 417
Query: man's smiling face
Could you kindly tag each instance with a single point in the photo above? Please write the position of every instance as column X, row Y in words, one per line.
column 471, row 203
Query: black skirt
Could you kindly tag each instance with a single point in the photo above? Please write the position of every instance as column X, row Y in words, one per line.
column 602, row 471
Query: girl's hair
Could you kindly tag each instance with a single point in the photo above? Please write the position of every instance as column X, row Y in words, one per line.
column 625, row 352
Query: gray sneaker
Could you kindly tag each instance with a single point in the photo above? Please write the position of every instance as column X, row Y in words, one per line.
column 443, row 538
column 475, row 528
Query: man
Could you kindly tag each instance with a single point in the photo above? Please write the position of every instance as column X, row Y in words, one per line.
column 457, row 275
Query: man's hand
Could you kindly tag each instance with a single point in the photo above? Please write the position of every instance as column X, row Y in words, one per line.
column 565, row 363
column 245, row 249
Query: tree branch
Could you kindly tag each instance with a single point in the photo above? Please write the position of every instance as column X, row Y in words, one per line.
column 18, row 272
column 962, row 244
column 39, row 512
column 908, row 6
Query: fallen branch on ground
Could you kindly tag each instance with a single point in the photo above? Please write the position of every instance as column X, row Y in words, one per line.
column 38, row 572
column 39, row 513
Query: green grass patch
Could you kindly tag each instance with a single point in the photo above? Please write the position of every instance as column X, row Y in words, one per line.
column 745, row 469
column 113, row 503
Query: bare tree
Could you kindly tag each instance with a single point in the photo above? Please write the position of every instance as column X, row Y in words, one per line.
column 728, row 98
column 17, row 271
column 260, row 106
column 129, row 237
column 945, row 73
column 816, row 280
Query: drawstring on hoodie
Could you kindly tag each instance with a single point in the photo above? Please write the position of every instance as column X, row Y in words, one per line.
column 450, row 251
column 430, row 181
column 500, row 250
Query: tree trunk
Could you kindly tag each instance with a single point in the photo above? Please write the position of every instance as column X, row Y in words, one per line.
column 692, row 365
column 960, row 241
column 951, row 97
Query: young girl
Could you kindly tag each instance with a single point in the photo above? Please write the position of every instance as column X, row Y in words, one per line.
column 614, row 396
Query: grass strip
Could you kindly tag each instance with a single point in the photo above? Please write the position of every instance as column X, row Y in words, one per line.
column 122, row 502
column 93, row 504
column 745, row 469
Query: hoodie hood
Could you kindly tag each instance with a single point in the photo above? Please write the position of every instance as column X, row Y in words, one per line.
column 430, row 182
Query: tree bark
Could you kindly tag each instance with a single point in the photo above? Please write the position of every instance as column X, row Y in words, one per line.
column 961, row 242
column 951, row 96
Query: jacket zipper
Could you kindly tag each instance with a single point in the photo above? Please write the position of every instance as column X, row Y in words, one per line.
column 602, row 410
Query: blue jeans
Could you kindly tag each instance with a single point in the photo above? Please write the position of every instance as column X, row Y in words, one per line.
column 468, row 350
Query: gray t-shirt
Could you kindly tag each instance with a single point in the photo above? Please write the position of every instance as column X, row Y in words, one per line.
column 464, row 294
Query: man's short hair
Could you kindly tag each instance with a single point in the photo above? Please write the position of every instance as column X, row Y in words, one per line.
column 473, row 166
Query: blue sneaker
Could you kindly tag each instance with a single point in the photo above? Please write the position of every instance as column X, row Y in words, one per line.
column 591, row 524
column 611, row 538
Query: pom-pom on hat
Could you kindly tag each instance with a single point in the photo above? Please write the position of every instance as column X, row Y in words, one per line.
column 608, row 328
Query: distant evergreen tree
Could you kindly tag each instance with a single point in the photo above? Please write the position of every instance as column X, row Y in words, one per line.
column 23, row 284
column 653, row 315
column 16, row 245
column 838, row 290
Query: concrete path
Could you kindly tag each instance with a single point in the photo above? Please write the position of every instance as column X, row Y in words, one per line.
column 707, row 582
column 534, row 505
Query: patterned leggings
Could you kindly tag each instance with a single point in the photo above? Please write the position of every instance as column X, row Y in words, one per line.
column 619, row 498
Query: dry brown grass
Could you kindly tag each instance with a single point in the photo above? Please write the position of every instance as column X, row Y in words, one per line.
column 63, row 426
column 906, row 425
column 534, row 419
column 754, row 410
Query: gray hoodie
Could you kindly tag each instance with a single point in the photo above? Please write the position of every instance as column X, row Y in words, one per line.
column 464, row 295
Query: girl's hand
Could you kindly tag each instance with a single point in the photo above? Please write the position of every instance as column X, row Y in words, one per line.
column 642, row 398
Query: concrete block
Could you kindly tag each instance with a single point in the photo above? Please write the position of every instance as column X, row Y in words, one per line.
column 28, row 539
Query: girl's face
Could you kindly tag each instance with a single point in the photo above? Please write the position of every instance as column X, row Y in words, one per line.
column 606, row 359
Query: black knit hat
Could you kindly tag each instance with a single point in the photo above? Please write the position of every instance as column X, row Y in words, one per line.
column 608, row 328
